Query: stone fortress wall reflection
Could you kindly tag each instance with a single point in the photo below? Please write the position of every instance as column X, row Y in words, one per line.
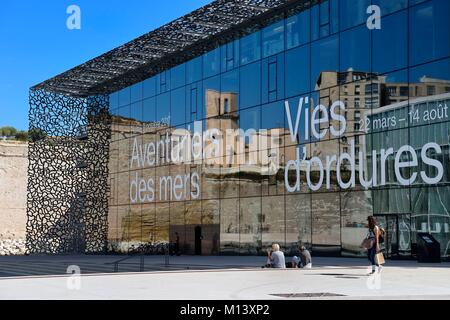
column 240, row 165
column 176, row 190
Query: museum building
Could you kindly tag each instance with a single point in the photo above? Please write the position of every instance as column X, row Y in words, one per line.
column 247, row 123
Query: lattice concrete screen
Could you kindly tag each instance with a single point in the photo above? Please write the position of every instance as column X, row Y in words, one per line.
column 67, row 204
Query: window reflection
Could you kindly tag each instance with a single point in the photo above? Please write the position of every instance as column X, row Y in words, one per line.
column 194, row 70
column 353, row 12
column 194, row 102
column 149, row 87
column 250, row 48
column 298, row 222
column 178, row 106
column 390, row 44
column 389, row 6
column 356, row 207
column 230, row 55
column 136, row 92
column 242, row 208
column 211, row 63
column 413, row 2
column 324, row 56
column 113, row 101
column 273, row 39
column 163, row 108
column 163, row 82
column 229, row 226
column 211, row 93
column 273, row 225
column 297, row 29
column 428, row 31
column 297, row 71
column 250, row 85
column 433, row 75
column 124, row 97
column 426, row 217
column 178, row 75
column 324, row 19
column 124, row 112
column 250, row 219
column 149, row 110
column 230, row 83
column 123, row 238
column 272, row 79
column 325, row 218
column 137, row 117
column 355, row 49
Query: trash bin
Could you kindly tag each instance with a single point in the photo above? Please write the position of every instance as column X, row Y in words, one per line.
column 428, row 248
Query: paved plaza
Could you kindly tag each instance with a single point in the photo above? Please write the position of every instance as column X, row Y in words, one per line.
column 210, row 278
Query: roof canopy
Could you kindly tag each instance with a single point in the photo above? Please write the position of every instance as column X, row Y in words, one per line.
column 176, row 42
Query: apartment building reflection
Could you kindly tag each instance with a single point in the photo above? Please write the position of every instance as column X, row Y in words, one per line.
column 372, row 102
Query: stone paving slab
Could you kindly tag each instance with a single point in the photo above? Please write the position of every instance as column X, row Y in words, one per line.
column 331, row 278
column 57, row 265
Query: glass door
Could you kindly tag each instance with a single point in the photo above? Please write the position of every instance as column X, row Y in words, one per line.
column 404, row 235
column 391, row 238
column 397, row 241
column 390, row 224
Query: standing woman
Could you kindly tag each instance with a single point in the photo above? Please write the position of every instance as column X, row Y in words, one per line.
column 374, row 236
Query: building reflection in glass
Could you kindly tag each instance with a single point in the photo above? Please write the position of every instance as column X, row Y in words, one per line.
column 223, row 205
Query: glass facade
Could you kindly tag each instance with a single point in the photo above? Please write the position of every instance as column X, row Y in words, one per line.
column 294, row 133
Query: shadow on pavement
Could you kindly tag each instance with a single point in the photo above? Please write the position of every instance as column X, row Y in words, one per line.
column 39, row 265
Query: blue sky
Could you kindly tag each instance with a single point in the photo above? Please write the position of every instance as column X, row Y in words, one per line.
column 36, row 44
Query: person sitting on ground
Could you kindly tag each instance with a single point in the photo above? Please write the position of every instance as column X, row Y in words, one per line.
column 295, row 261
column 305, row 257
column 275, row 257
column 304, row 260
